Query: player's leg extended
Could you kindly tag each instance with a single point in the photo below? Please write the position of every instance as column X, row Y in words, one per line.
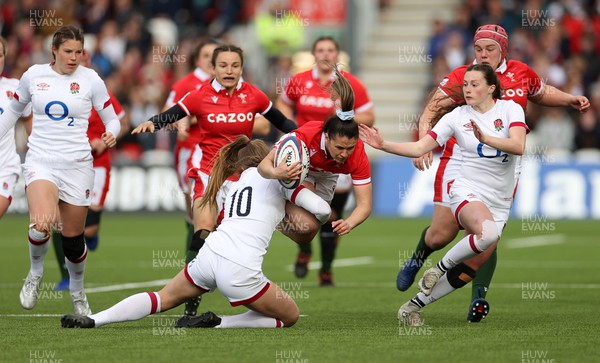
column 42, row 198
column 482, row 232
column 485, row 264
column 442, row 231
column 137, row 306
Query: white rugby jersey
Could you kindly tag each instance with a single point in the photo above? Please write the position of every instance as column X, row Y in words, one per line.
column 486, row 170
column 9, row 159
column 253, row 209
column 62, row 105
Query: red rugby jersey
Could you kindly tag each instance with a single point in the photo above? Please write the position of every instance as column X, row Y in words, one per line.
column 311, row 100
column 96, row 129
column 357, row 164
column 191, row 82
column 222, row 118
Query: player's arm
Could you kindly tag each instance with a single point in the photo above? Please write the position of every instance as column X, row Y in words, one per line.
column 286, row 109
column 552, row 96
column 364, row 200
column 439, row 99
column 305, row 198
column 279, row 120
column 125, row 125
column 9, row 118
column 161, row 120
column 373, row 137
column 514, row 144
column 267, row 168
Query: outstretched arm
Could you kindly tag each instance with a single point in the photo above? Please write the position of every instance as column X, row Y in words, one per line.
column 373, row 137
column 552, row 96
column 161, row 120
column 279, row 120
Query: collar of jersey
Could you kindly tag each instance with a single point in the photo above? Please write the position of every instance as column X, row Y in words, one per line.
column 201, row 75
column 218, row 87
column 323, row 145
column 501, row 69
column 315, row 73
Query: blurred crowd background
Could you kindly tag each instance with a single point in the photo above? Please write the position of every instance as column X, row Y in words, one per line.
column 141, row 47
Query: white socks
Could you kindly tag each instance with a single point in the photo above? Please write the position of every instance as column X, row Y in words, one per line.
column 76, row 270
column 249, row 319
column 38, row 247
column 134, row 307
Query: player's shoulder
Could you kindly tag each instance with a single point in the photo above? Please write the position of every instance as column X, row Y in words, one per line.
column 512, row 65
column 303, row 75
column 38, row 70
column 508, row 104
column 9, row 83
column 458, row 71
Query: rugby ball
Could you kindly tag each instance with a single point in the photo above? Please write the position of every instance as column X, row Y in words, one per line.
column 290, row 150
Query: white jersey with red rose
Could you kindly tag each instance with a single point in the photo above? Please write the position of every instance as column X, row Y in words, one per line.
column 62, row 104
column 518, row 82
column 484, row 169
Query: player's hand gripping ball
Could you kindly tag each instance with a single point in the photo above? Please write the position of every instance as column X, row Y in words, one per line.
column 289, row 151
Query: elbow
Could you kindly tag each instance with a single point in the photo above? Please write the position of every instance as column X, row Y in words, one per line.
column 520, row 150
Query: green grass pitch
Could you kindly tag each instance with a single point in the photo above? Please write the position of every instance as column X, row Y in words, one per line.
column 544, row 300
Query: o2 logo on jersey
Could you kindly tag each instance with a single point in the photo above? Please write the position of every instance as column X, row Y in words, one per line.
column 1, row 110
column 54, row 105
column 498, row 153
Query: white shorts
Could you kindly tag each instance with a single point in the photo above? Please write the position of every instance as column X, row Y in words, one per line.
column 8, row 181
column 324, row 183
column 461, row 195
column 74, row 185
column 240, row 285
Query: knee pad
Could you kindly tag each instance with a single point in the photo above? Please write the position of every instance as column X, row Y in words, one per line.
column 73, row 247
column 198, row 239
column 460, row 275
column 93, row 218
column 489, row 235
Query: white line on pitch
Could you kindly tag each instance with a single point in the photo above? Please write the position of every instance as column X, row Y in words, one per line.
column 536, row 241
column 60, row 315
column 342, row 262
column 131, row 285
